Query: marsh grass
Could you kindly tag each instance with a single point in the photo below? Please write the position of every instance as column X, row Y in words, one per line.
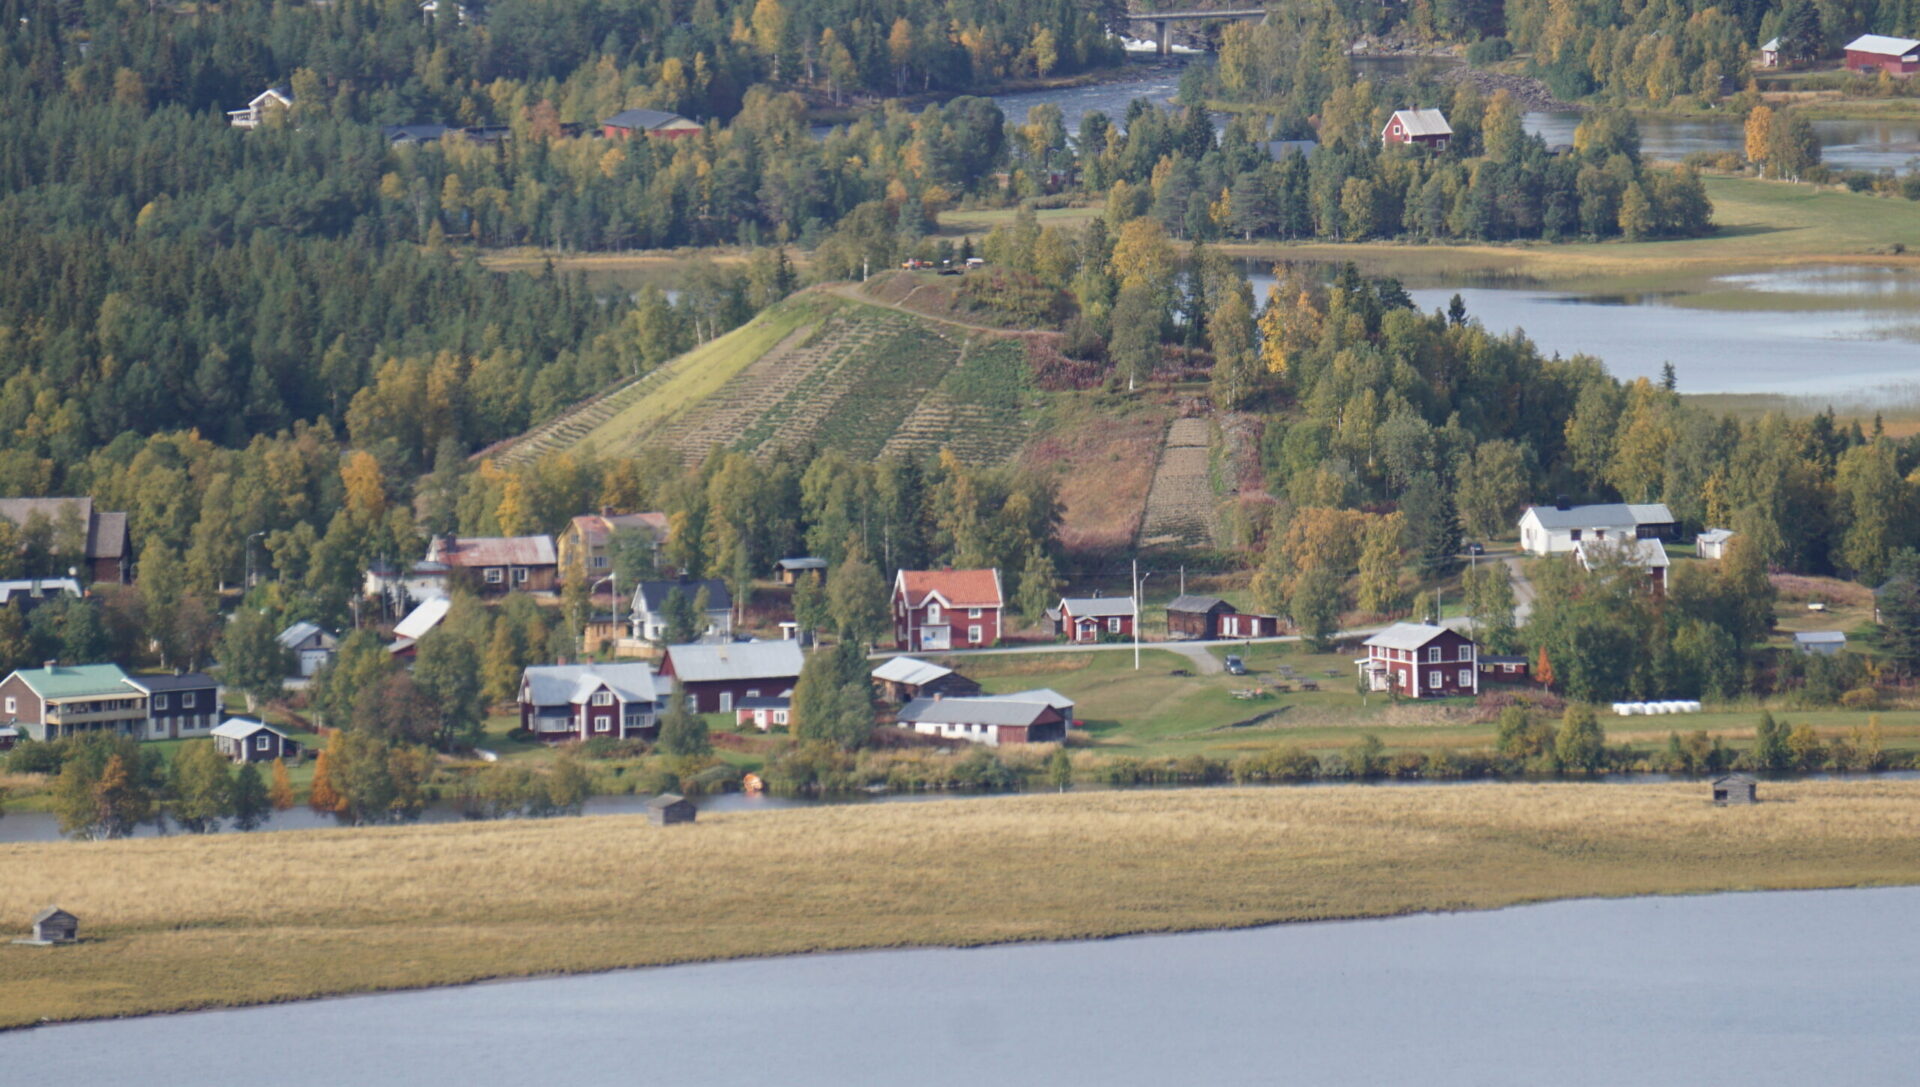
column 185, row 922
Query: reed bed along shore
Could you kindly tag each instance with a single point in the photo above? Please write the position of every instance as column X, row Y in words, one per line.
column 192, row 922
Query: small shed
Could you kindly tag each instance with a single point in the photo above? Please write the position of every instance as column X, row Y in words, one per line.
column 1824, row 642
column 791, row 570
column 1735, row 789
column 54, row 925
column 670, row 808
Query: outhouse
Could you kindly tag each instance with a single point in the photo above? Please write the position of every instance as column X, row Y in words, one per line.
column 54, row 925
column 1734, row 789
column 670, row 808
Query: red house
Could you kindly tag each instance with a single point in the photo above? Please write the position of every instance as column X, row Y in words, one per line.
column 718, row 678
column 1426, row 127
column 1419, row 660
column 946, row 609
column 1879, row 53
column 563, row 702
column 648, row 122
column 1082, row 619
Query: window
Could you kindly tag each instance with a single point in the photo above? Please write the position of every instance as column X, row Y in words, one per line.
column 12, row 706
column 603, row 698
column 1574, row 535
column 262, row 743
column 599, row 562
column 494, row 575
column 1433, row 654
column 973, row 634
column 602, row 724
column 519, row 574
column 1113, row 625
column 159, row 702
column 1433, row 678
column 753, row 692
column 1466, row 677
column 973, row 613
column 779, row 717
column 933, row 613
column 186, row 701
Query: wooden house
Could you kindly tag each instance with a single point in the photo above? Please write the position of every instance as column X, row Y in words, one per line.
column 244, row 741
column 585, row 547
column 1421, row 127
column 1770, row 53
column 1198, row 617
column 1420, row 660
column 1875, row 53
column 1085, row 619
column 716, row 678
column 903, row 679
column 946, row 609
column 1712, row 544
column 1501, row 669
column 179, row 706
column 649, row 615
column 500, row 564
column 1735, row 789
column 629, row 123
column 99, row 538
column 1546, row 530
column 793, row 569
column 55, row 701
column 766, row 711
column 1648, row 555
column 311, row 646
column 668, row 809
column 566, row 702
column 262, row 104
column 54, row 925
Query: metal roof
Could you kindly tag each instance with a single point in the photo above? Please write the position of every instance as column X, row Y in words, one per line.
column 643, row 120
column 737, row 660
column 555, row 684
column 1423, row 122
column 1651, row 554
column 75, row 681
column 651, row 596
column 1880, row 43
column 1714, row 535
column 984, row 710
column 423, row 618
column 36, row 587
column 298, row 632
column 597, row 528
column 1046, row 696
column 1406, row 636
column 469, row 551
column 1195, row 602
column 910, row 670
column 802, row 562
column 1821, row 637
column 173, row 681
column 239, row 728
column 1092, row 607
column 1602, row 515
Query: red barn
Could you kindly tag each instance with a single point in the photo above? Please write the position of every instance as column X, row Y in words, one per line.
column 648, row 122
column 1419, row 660
column 1426, row 127
column 946, row 609
column 1879, row 53
column 718, row 678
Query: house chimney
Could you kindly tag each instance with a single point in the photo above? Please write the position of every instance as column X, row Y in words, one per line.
column 51, row 665
column 1560, row 502
column 606, row 511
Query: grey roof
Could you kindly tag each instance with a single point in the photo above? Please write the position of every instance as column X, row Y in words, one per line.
column 763, row 702
column 422, row 618
column 1046, row 696
column 299, row 632
column 186, row 681
column 1194, row 602
column 239, row 728
column 1279, row 149
column 666, row 800
column 106, row 532
column 642, row 119
column 738, row 660
column 1423, row 122
column 557, row 684
column 50, row 913
column 1651, row 554
column 413, row 133
column 1089, row 607
column 35, row 588
column 984, row 710
column 1883, row 45
column 910, row 670
column 1603, row 515
column 651, row 596
column 1406, row 636
column 802, row 562
column 1820, row 637
column 1714, row 535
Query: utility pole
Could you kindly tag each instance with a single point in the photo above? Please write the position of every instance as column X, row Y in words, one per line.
column 1139, row 586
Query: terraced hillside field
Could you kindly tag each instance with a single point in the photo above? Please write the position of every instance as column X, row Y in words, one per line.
column 822, row 368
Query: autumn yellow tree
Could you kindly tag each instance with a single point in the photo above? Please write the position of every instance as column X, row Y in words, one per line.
column 1143, row 258
column 1759, row 133
column 321, row 797
column 366, row 488
column 280, row 793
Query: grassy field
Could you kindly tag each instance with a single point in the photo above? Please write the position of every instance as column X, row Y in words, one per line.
column 186, row 922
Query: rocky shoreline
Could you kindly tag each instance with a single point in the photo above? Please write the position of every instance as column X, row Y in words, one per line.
column 1531, row 93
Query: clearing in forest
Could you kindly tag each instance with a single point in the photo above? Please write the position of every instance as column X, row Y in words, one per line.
column 1180, row 504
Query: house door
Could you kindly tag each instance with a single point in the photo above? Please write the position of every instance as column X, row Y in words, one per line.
column 726, row 701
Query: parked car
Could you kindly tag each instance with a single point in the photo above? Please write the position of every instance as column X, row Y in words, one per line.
column 1236, row 666
column 1474, row 547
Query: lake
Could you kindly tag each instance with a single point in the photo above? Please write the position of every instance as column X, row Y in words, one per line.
column 1844, row 145
column 1739, row 989
column 1836, row 331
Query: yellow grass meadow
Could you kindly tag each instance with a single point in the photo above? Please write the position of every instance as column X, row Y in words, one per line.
column 186, row 922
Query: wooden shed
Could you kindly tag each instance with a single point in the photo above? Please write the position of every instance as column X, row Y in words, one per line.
column 54, row 925
column 1735, row 789
column 670, row 808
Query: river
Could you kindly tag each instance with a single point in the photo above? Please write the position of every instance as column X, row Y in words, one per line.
column 1847, row 333
column 1739, row 989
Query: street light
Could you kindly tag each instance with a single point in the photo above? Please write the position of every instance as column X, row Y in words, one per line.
column 1139, row 586
column 614, row 606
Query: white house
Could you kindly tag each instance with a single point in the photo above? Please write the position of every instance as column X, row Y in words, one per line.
column 263, row 103
column 1545, row 530
column 1770, row 54
column 1712, row 544
column 1029, row 717
column 649, row 618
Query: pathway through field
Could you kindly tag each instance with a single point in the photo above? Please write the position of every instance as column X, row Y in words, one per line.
column 1180, row 504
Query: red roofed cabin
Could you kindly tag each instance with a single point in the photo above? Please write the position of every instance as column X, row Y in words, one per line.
column 648, row 122
column 500, row 563
column 946, row 609
column 1879, row 53
column 1420, row 660
column 1426, row 127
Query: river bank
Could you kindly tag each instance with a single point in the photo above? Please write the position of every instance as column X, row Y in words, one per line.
column 181, row 923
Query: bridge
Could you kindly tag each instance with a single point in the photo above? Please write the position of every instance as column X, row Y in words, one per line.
column 1163, row 20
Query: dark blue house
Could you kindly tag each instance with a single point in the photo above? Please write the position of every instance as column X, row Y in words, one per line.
column 182, row 704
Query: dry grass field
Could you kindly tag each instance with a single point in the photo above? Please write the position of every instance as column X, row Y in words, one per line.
column 185, row 922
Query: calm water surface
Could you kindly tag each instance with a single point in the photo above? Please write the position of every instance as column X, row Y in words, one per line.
column 1755, row 989
column 1845, row 145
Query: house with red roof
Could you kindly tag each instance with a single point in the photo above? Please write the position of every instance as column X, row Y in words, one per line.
column 946, row 609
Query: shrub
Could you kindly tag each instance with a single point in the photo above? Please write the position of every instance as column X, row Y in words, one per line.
column 1287, row 763
column 1489, row 51
column 1861, row 698
column 35, row 757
